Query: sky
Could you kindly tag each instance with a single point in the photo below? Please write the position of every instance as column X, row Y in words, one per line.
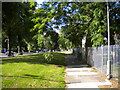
column 40, row 1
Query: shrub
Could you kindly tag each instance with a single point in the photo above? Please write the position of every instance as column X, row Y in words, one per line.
column 48, row 56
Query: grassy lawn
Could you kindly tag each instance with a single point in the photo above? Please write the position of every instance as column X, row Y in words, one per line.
column 33, row 71
column 66, row 52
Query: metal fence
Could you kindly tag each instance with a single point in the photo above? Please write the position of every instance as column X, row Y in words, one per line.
column 98, row 56
column 79, row 53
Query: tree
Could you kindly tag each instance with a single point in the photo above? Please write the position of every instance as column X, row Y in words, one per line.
column 84, row 18
column 64, row 43
column 15, row 16
column 53, row 37
column 114, row 20
column 25, row 24
column 9, row 21
column 49, row 44
column 43, row 19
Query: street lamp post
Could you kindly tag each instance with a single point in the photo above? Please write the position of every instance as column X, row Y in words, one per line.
column 109, row 61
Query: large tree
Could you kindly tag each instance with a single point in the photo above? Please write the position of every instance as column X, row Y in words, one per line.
column 10, row 19
column 17, row 23
column 43, row 24
column 87, row 18
column 114, row 22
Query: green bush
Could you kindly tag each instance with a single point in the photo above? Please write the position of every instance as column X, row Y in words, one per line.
column 54, row 58
column 48, row 56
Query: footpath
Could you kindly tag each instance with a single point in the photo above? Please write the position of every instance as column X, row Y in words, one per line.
column 79, row 75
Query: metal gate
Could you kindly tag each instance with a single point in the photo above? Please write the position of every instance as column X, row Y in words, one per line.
column 79, row 53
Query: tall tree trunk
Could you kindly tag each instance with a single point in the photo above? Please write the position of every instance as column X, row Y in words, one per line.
column 9, row 45
column 20, row 45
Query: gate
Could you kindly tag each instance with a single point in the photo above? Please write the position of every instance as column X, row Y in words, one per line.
column 79, row 53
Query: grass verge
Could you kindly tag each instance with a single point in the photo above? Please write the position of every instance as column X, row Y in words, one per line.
column 33, row 71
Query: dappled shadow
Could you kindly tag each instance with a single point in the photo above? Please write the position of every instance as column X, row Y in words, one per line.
column 33, row 77
column 73, row 60
column 58, row 59
column 18, row 60
column 79, row 66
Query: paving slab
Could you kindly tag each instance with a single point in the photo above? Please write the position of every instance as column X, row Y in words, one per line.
column 82, row 89
column 81, row 73
column 82, row 76
column 82, row 85
column 87, row 85
column 82, row 79
column 77, row 69
column 76, row 66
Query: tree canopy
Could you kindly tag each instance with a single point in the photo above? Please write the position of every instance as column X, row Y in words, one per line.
column 30, row 25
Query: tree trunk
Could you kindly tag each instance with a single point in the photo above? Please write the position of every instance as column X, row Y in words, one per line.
column 9, row 45
column 20, row 45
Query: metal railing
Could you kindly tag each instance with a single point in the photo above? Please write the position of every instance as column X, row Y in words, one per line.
column 98, row 56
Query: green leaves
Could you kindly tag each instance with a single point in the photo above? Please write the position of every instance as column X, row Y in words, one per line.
column 73, row 19
column 36, row 20
column 97, row 39
column 32, row 3
column 48, row 56
column 96, row 22
column 49, row 44
column 98, row 14
column 95, row 32
column 64, row 43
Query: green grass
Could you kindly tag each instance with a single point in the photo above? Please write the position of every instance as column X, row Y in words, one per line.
column 64, row 52
column 33, row 71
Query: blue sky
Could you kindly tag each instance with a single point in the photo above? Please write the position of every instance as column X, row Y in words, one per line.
column 40, row 1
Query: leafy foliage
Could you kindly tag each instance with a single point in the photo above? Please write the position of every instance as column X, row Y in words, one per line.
column 64, row 43
column 34, row 26
column 17, row 23
column 48, row 56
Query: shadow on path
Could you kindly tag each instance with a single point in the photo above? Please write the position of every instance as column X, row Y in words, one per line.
column 80, row 75
column 71, row 60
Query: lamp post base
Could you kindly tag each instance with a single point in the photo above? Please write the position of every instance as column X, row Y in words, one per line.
column 109, row 76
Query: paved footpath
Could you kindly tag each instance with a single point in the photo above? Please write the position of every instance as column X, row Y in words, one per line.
column 82, row 76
